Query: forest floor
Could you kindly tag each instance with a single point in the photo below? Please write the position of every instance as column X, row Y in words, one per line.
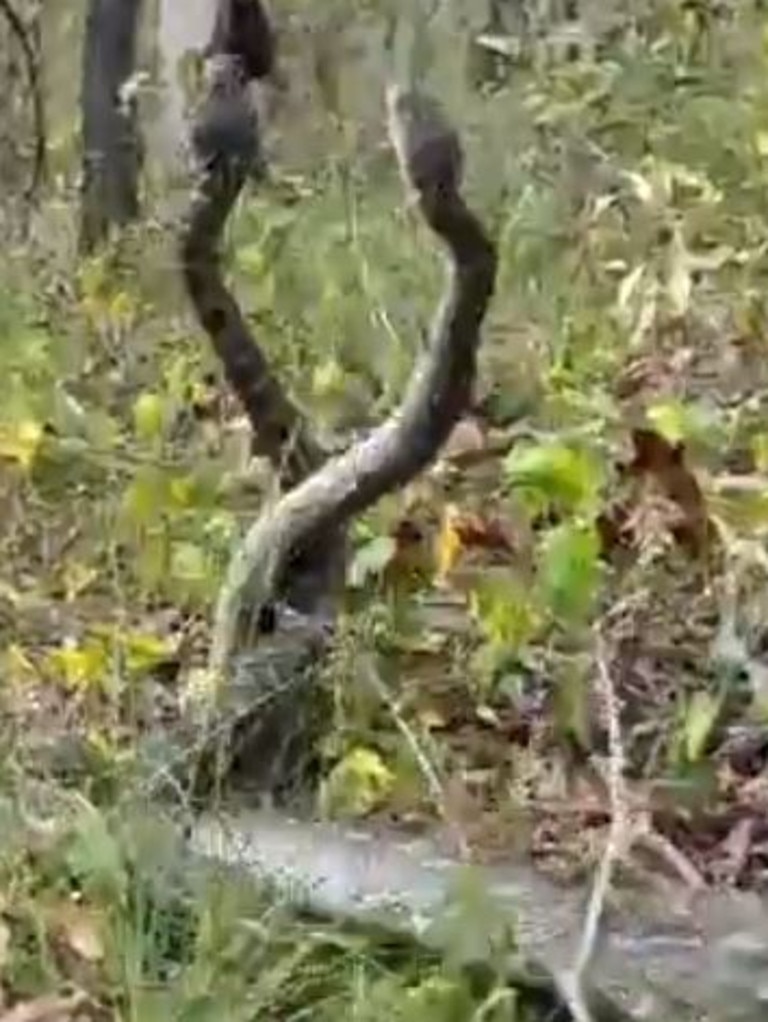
column 593, row 534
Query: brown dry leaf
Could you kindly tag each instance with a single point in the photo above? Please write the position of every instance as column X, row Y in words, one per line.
column 483, row 533
column 432, row 719
column 647, row 373
column 46, row 1009
column 664, row 462
column 80, row 929
column 466, row 442
column 410, row 562
column 460, row 531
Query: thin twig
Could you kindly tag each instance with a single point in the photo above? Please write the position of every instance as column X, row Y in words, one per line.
column 428, row 769
column 615, row 842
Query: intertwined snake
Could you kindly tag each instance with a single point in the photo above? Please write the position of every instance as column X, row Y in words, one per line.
column 292, row 558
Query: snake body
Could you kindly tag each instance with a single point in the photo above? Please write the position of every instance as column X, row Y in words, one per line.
column 294, row 554
column 439, row 392
column 293, row 557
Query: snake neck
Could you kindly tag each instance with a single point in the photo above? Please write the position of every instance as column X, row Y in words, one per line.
column 459, row 229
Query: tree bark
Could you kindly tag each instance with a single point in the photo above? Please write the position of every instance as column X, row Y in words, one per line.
column 110, row 136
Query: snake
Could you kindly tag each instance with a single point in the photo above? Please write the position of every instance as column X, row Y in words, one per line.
column 278, row 604
column 290, row 564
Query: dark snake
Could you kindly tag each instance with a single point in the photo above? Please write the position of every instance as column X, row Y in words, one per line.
column 707, row 965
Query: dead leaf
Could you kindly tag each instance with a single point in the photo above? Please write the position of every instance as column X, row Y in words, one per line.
column 410, row 563
column 448, row 546
column 736, row 847
column 664, row 462
column 466, row 442
column 46, row 1009
column 80, row 929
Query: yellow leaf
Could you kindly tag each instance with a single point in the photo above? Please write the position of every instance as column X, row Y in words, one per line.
column 77, row 578
column 21, row 441
column 357, row 784
column 81, row 666
column 148, row 416
column 182, row 490
column 144, row 651
column 448, row 545
column 122, row 309
column 9, row 593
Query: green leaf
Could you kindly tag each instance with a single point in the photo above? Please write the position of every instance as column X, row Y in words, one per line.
column 700, row 718
column 357, row 784
column 96, row 859
column 251, row 258
column 189, row 562
column 569, row 570
column 677, row 421
column 329, row 379
column 370, row 560
column 149, row 416
column 506, row 611
column 556, row 473
column 146, row 498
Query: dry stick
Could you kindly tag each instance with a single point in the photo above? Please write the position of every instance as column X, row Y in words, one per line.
column 573, row 987
column 428, row 769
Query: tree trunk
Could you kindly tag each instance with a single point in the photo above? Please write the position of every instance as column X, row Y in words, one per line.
column 111, row 143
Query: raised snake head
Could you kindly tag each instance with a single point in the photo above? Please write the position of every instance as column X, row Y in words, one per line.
column 427, row 147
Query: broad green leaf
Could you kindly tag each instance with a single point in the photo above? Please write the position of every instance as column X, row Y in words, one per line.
column 146, row 498
column 251, row 258
column 742, row 509
column 149, row 416
column 370, row 560
column 556, row 473
column 569, row 570
column 189, row 562
column 677, row 421
column 506, row 611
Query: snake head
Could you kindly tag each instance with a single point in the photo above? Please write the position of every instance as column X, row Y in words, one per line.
column 426, row 144
column 225, row 125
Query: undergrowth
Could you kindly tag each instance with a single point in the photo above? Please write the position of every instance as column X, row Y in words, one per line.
column 610, row 479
